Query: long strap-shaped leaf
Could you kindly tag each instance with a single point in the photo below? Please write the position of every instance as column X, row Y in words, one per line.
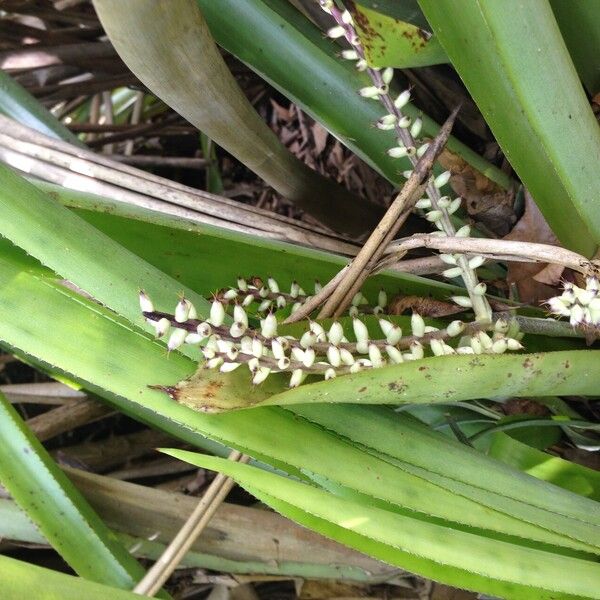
column 120, row 362
column 168, row 45
column 53, row 503
column 16, row 102
column 514, row 62
column 287, row 50
column 20, row 580
column 502, row 563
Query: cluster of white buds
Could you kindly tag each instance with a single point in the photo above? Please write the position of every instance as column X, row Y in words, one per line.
column 227, row 343
column 581, row 305
column 408, row 144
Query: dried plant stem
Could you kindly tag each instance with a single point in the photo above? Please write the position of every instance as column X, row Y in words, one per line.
column 507, row 250
column 388, row 227
column 187, row 535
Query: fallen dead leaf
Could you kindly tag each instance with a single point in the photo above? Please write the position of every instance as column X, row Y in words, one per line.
column 534, row 281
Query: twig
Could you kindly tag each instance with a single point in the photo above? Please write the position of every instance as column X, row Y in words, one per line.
column 387, row 228
column 187, row 535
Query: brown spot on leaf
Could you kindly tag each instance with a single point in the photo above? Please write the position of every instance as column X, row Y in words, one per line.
column 398, row 387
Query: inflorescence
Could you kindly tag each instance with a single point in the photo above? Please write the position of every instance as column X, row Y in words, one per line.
column 438, row 209
column 581, row 305
column 228, row 339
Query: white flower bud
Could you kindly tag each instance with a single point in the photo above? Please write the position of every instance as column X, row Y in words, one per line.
column 437, row 347
column 463, row 301
column 146, row 304
column 264, row 306
column 182, row 311
column 237, row 329
column 248, row 300
column 480, row 289
column 360, row 330
column 443, row 202
column 318, row 330
column 295, row 307
column 257, row 347
column 329, row 374
column 452, row 273
column 382, row 298
column 500, row 346
column 416, row 127
column 375, row 356
column 193, row 338
column 294, row 289
column 416, row 350
column 346, row 17
column 442, row 179
column 386, row 326
column 417, row 325
column 232, row 353
column 308, row 339
column 394, row 354
column 454, row 205
column 228, row 367
column 455, row 328
column 336, row 32
column 387, row 75
column 576, row 315
column 318, row 286
column 407, row 174
column 277, row 349
column 402, row 100
column 273, row 285
column 230, row 294
column 217, row 313
column 476, row 262
column 335, row 333
column 350, row 55
column 465, row 350
column 346, row 356
column 434, row 215
column 358, row 299
column 298, row 376
column 283, row 363
column 297, row 354
column 371, row 91
column 422, row 149
column 176, row 339
column 239, row 315
column 268, row 326
column 476, row 345
column 423, row 203
column 393, row 336
column 398, row 152
column 513, row 344
column 214, row 363
column 309, row 357
column 253, row 364
column 463, row 232
column 246, row 344
column 449, row 259
column 161, row 327
column 333, row 356
column 362, row 65
column 485, row 339
column 404, row 122
column 260, row 375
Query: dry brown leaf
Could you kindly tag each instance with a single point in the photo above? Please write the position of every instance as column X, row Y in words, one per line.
column 533, row 280
column 426, row 307
column 485, row 201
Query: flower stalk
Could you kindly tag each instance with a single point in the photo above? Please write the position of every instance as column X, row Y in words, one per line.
column 407, row 131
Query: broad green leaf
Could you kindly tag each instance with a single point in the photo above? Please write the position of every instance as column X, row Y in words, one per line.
column 20, row 580
column 282, row 46
column 407, row 10
column 563, row 473
column 16, row 102
column 389, row 42
column 79, row 252
column 579, row 24
column 61, row 513
column 170, row 49
column 511, row 56
column 493, row 559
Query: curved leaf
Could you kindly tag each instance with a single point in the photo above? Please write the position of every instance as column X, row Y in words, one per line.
column 169, row 47
column 512, row 57
column 53, row 503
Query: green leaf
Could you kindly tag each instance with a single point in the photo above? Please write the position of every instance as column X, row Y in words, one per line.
column 170, row 49
column 282, row 46
column 389, row 42
column 53, row 503
column 20, row 580
column 563, row 473
column 510, row 56
column 495, row 560
column 16, row 102
column 407, row 10
column 579, row 24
